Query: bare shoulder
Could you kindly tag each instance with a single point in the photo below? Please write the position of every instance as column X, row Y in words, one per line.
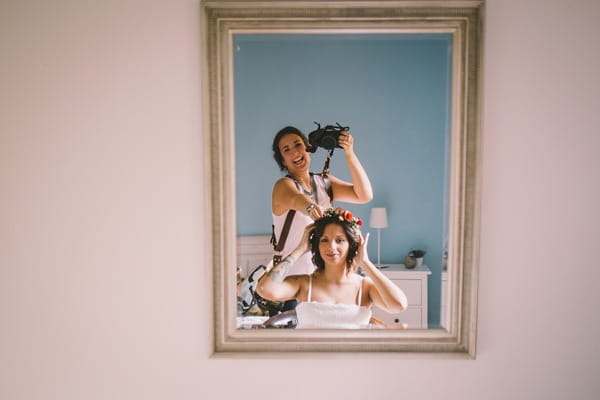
column 283, row 183
column 366, row 282
column 299, row 282
column 282, row 195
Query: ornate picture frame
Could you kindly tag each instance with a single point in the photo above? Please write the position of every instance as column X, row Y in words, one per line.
column 461, row 19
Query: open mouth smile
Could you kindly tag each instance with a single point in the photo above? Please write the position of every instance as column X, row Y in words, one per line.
column 298, row 161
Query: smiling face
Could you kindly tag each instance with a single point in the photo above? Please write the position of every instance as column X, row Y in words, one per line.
column 295, row 157
column 332, row 241
column 334, row 245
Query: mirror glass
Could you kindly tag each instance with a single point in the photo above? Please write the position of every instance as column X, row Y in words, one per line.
column 393, row 90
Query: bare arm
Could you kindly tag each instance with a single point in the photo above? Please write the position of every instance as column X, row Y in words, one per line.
column 359, row 190
column 286, row 196
column 382, row 291
column 274, row 284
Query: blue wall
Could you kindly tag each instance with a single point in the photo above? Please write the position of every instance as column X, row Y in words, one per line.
column 394, row 93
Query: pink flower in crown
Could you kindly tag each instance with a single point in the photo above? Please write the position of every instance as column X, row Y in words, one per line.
column 359, row 222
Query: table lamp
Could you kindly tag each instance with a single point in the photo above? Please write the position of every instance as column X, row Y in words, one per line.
column 378, row 220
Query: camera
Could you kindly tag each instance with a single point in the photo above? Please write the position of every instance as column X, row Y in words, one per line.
column 326, row 137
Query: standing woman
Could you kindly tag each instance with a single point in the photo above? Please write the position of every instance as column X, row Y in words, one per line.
column 309, row 194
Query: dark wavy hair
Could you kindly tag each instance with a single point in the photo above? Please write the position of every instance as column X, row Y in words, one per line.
column 317, row 233
column 286, row 131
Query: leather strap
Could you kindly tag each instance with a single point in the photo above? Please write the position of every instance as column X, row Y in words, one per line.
column 328, row 187
column 285, row 231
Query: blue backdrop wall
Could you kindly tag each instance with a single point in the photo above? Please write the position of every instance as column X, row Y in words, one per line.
column 394, row 93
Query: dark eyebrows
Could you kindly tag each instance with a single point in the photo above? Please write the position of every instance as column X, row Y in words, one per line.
column 295, row 142
column 334, row 238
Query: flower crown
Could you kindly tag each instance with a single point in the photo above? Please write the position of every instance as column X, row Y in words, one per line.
column 344, row 215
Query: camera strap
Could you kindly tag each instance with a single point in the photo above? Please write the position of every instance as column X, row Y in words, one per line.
column 279, row 244
column 325, row 175
column 326, row 166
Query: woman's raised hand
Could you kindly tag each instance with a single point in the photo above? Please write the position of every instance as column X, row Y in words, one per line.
column 346, row 141
column 314, row 211
column 362, row 257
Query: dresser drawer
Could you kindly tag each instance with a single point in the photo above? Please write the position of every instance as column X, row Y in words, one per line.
column 412, row 290
column 412, row 316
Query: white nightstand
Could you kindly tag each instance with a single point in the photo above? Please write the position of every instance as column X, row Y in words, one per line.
column 414, row 284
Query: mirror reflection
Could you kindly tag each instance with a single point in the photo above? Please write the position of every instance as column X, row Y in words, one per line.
column 381, row 152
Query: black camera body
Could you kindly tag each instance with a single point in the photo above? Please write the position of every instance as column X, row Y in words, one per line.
column 326, row 137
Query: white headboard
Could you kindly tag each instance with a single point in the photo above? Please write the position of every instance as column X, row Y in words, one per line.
column 253, row 251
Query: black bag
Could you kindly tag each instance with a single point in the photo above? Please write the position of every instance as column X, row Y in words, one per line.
column 249, row 299
column 246, row 291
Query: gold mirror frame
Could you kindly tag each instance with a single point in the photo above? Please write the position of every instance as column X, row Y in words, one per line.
column 463, row 20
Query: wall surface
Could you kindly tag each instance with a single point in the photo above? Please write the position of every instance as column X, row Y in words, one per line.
column 105, row 275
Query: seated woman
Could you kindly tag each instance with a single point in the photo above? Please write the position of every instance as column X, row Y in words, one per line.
column 334, row 295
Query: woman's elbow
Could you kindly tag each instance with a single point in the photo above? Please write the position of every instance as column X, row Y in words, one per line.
column 396, row 308
column 401, row 304
column 269, row 291
column 363, row 198
column 260, row 289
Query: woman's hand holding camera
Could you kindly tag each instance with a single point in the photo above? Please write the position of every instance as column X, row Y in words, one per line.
column 346, row 141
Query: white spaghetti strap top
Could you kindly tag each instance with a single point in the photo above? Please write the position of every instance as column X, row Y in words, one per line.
column 316, row 315
column 358, row 300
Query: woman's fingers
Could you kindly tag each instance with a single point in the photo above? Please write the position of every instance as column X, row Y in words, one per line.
column 319, row 212
column 345, row 140
column 362, row 248
column 316, row 212
column 363, row 240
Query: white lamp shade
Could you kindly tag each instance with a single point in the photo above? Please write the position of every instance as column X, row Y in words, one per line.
column 378, row 218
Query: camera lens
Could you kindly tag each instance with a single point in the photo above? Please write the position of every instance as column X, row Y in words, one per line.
column 328, row 142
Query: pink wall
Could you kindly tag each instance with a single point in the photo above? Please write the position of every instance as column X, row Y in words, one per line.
column 104, row 289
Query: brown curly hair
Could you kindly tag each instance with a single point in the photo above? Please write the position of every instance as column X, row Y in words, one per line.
column 317, row 232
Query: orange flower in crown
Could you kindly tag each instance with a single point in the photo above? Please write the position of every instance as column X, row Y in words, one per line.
column 343, row 215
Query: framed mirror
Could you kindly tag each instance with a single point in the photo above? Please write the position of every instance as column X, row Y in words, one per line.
column 405, row 76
